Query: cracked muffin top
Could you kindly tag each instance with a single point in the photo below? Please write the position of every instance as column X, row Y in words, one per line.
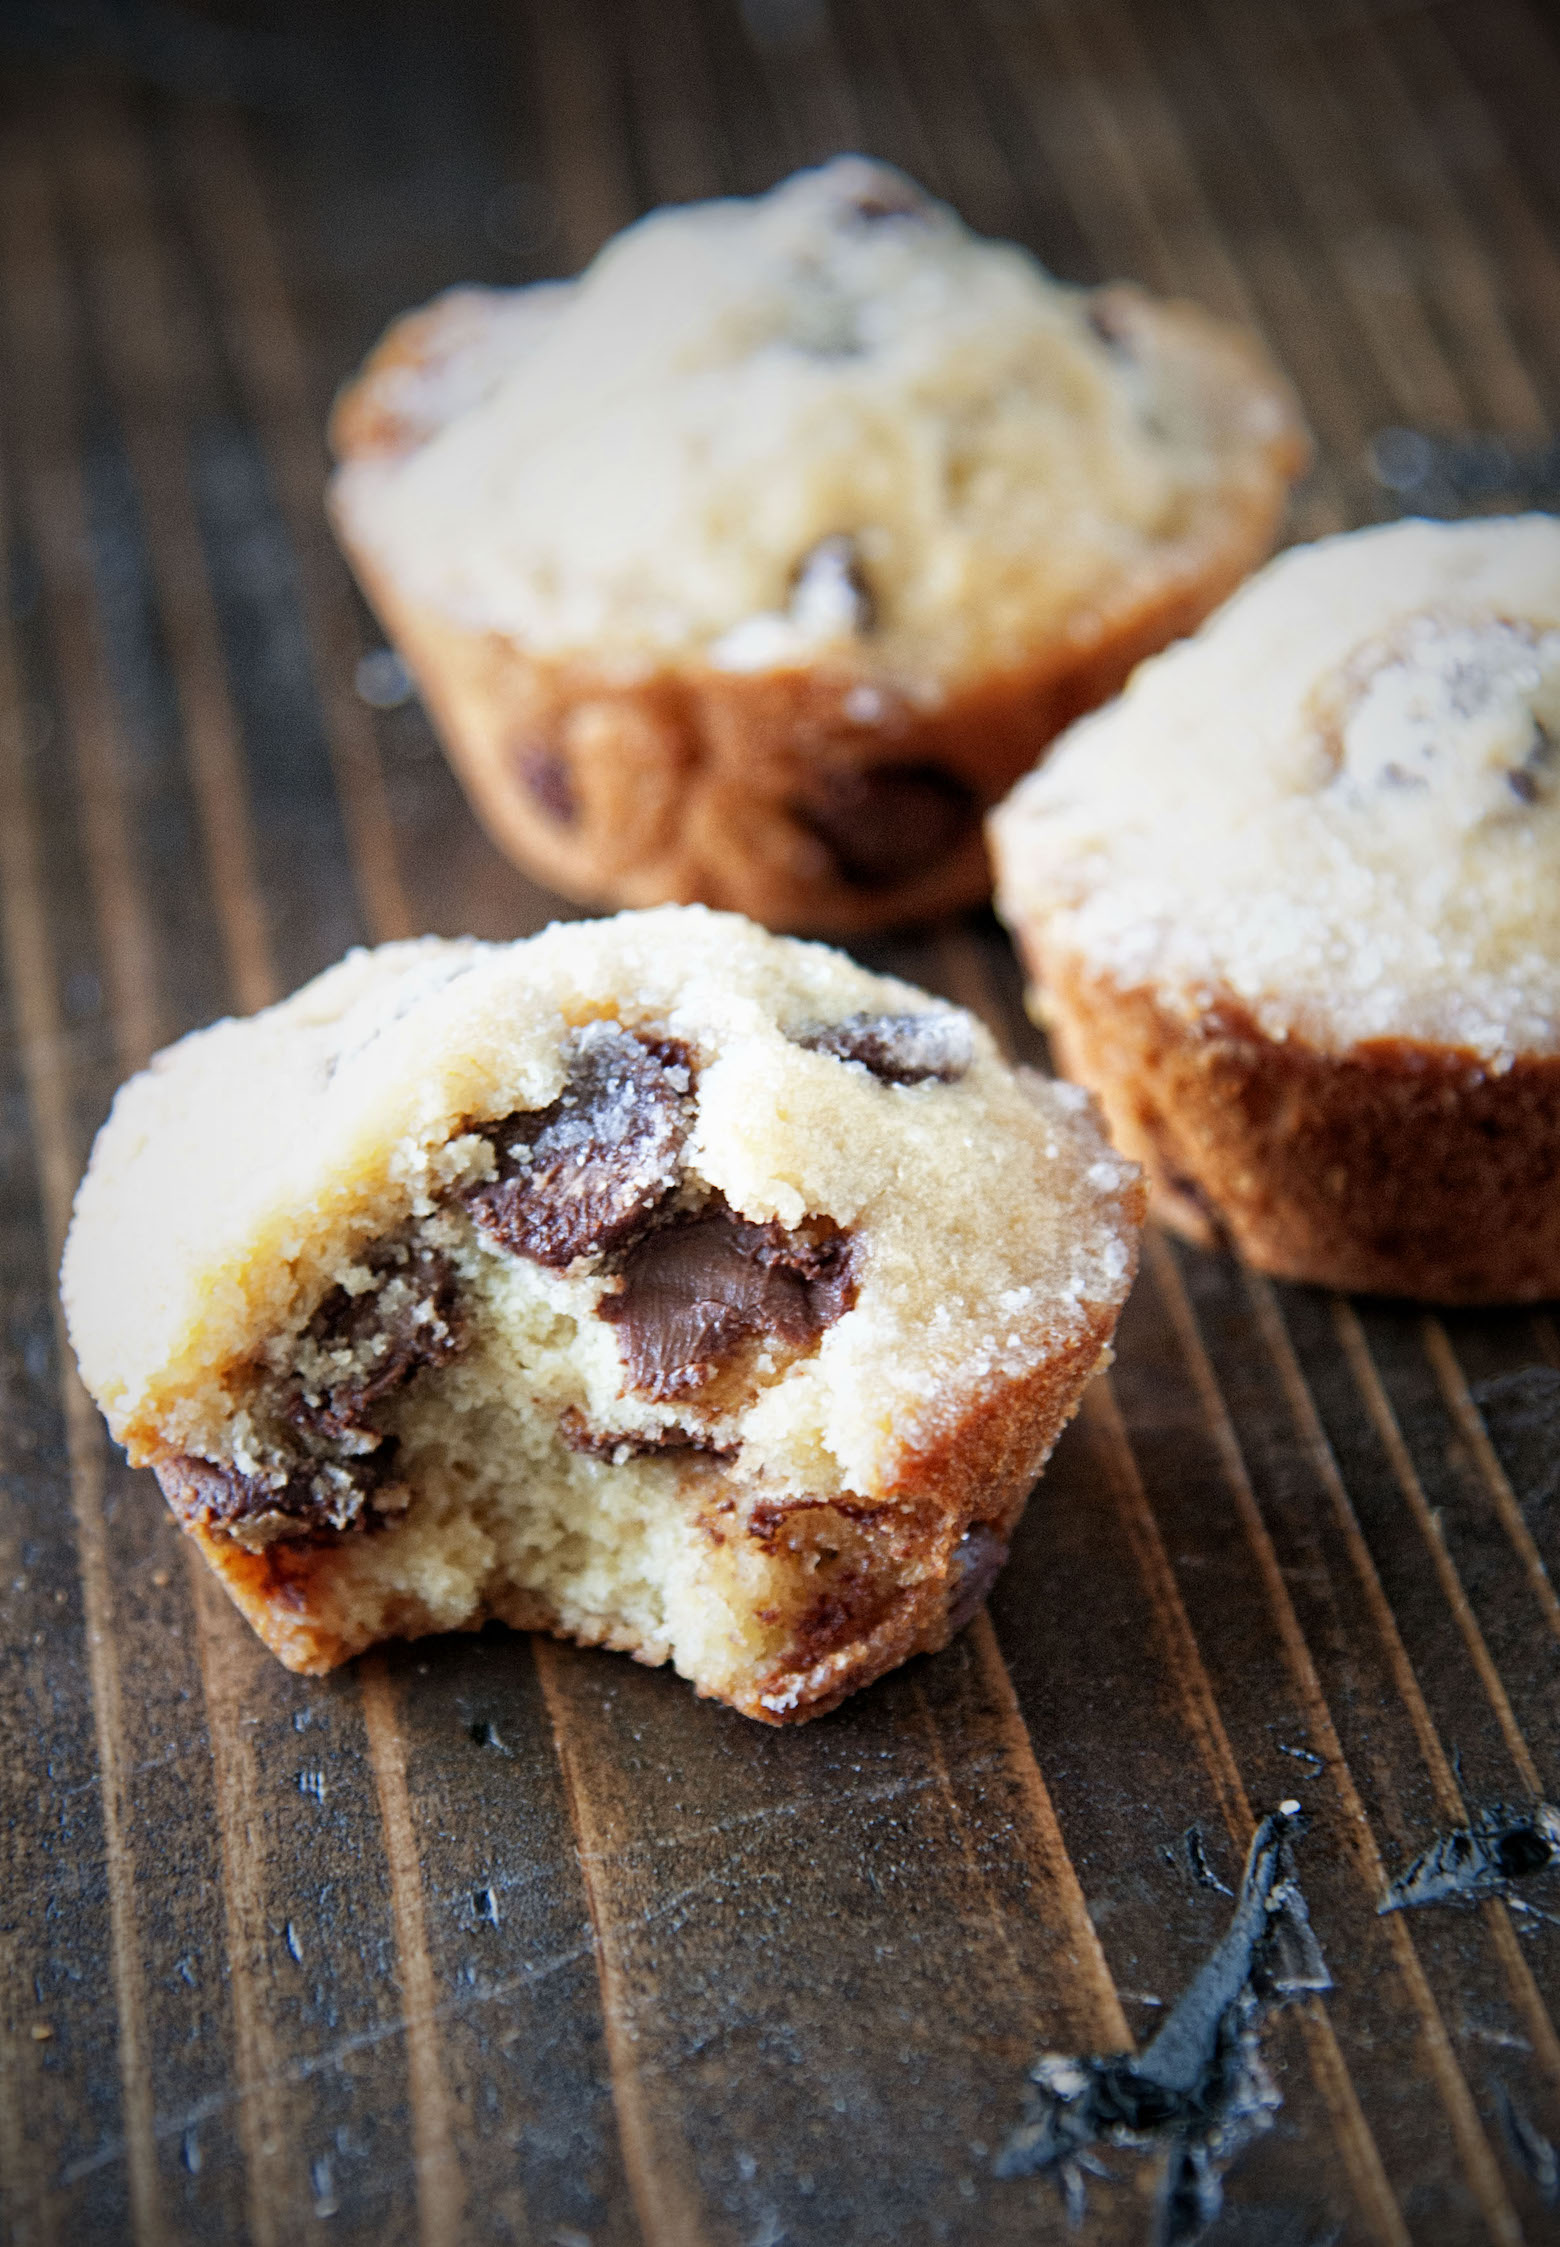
column 1339, row 803
column 782, row 1204
column 754, row 430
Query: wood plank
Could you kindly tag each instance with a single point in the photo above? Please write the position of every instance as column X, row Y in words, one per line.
column 1094, row 1629
column 481, row 1943
column 66, row 1846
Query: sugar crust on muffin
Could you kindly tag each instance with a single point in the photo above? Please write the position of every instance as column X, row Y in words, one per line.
column 654, row 1281
column 1293, row 904
column 782, row 503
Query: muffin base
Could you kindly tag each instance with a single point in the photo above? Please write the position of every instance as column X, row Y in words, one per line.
column 1393, row 1168
column 907, row 1590
column 786, row 795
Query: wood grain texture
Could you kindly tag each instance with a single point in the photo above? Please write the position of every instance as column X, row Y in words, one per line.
column 487, row 1943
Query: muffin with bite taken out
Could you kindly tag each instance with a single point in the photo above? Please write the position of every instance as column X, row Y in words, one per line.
column 657, row 1281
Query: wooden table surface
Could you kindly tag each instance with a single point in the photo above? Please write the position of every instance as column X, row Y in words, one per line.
column 492, row 1940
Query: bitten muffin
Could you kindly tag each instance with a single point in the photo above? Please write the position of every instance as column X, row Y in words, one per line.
column 657, row 1282
column 750, row 567
column 1293, row 909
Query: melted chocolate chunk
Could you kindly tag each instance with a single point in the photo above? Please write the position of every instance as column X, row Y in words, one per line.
column 357, row 1351
column 585, row 1173
column 548, row 782
column 316, row 1495
column 696, row 1289
column 829, row 588
column 606, row 1443
column 360, row 1349
column 975, row 1564
column 898, row 1048
column 887, row 823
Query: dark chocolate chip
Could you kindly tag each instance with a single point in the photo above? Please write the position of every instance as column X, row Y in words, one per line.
column 548, row 782
column 586, row 1172
column 363, row 1348
column 696, row 1289
column 1104, row 318
column 885, row 824
column 886, row 195
column 1529, row 780
column 607, row 1443
column 831, row 576
column 973, row 1567
column 318, row 1495
column 899, row 1048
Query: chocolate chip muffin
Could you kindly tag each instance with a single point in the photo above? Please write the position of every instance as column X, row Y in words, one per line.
column 1293, row 909
column 749, row 568
column 657, row 1282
